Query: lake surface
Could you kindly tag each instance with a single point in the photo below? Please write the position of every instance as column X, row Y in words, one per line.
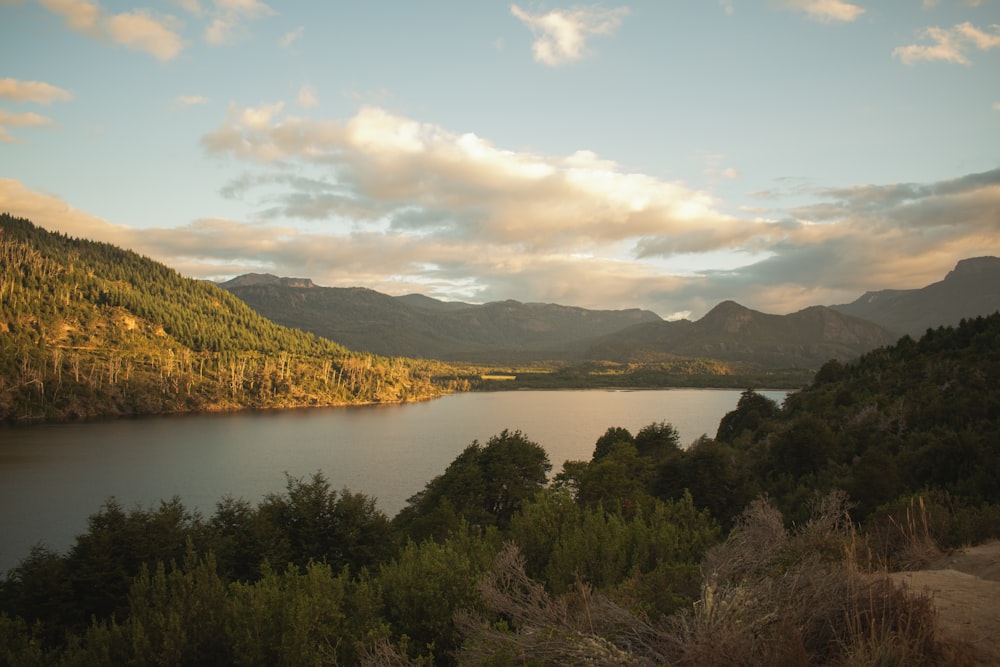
column 53, row 476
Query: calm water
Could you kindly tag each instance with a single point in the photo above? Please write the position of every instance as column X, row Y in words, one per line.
column 52, row 477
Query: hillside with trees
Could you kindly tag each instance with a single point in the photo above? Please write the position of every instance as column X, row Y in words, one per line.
column 768, row 544
column 88, row 329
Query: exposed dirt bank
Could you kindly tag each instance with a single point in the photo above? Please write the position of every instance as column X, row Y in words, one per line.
column 965, row 587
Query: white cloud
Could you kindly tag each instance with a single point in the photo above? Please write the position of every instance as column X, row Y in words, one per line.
column 8, row 119
column 38, row 92
column 138, row 30
column 190, row 6
column 258, row 118
column 562, row 34
column 307, row 98
column 826, row 10
column 80, row 15
column 467, row 187
column 291, row 37
column 230, row 17
column 54, row 214
column 854, row 239
column 246, row 8
column 950, row 44
column 715, row 169
column 510, row 221
column 981, row 40
column 191, row 100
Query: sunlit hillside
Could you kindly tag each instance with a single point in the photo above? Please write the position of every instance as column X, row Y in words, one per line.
column 88, row 329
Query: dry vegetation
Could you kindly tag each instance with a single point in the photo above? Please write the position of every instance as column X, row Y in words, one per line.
column 769, row 597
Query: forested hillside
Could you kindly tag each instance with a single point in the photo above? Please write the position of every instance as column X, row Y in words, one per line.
column 768, row 544
column 88, row 329
column 914, row 416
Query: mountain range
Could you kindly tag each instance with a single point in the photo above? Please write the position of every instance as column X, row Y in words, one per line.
column 419, row 326
column 510, row 331
column 972, row 288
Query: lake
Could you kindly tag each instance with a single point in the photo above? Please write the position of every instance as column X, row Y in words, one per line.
column 53, row 476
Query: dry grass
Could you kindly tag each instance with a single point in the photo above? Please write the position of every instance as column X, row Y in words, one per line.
column 769, row 597
column 916, row 546
column 529, row 626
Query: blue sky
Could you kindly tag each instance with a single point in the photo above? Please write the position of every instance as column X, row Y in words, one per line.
column 663, row 155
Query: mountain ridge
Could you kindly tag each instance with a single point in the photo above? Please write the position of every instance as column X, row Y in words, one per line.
column 512, row 331
column 971, row 289
column 420, row 326
column 732, row 332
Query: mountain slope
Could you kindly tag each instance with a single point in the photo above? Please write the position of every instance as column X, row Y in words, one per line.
column 88, row 329
column 419, row 326
column 731, row 332
column 971, row 289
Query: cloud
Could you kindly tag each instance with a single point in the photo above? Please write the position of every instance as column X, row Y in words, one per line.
column 851, row 240
column 138, row 30
column 191, row 100
column 54, row 214
column 465, row 186
column 307, row 98
column 561, row 35
column 230, row 17
column 950, row 44
column 969, row 3
column 291, row 37
column 825, row 10
column 8, row 119
column 190, row 6
column 715, row 169
column 38, row 92
column 79, row 15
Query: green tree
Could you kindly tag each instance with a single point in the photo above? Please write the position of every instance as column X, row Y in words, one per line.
column 302, row 616
column 485, row 485
column 427, row 583
column 752, row 411
column 611, row 437
column 658, row 441
column 718, row 478
column 313, row 522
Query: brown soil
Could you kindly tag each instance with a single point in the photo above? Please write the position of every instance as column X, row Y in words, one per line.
column 965, row 587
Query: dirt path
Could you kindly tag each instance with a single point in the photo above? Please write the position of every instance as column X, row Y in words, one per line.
column 965, row 587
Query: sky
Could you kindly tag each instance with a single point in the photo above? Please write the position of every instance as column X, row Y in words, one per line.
column 665, row 155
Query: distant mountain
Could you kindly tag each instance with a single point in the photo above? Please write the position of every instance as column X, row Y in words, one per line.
column 256, row 279
column 970, row 290
column 419, row 326
column 731, row 332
